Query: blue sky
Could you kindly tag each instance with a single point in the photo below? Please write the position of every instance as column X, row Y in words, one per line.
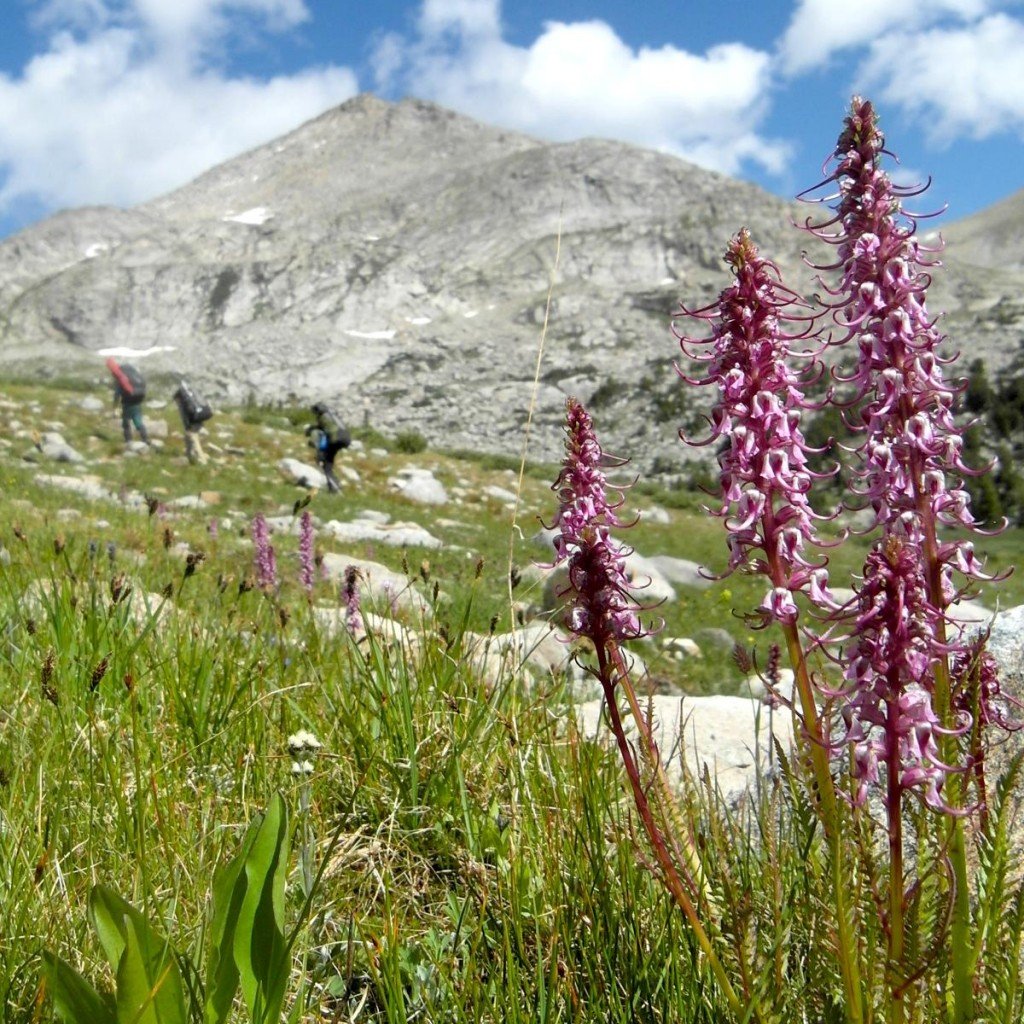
column 116, row 101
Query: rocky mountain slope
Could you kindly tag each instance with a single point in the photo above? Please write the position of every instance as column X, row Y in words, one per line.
column 396, row 258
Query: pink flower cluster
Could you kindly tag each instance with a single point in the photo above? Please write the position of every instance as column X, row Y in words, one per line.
column 307, row 566
column 903, row 401
column 889, row 666
column 764, row 475
column 266, row 559
column 603, row 607
column 904, row 657
column 350, row 595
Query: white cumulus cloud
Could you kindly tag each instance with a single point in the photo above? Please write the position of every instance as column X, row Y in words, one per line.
column 821, row 28
column 580, row 78
column 955, row 82
column 127, row 99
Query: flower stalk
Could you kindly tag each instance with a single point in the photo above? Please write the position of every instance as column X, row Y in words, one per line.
column 604, row 611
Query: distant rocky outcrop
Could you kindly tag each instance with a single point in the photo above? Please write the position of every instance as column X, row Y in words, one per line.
column 396, row 259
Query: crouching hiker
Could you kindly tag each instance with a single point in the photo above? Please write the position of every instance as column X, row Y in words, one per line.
column 130, row 392
column 194, row 413
column 327, row 437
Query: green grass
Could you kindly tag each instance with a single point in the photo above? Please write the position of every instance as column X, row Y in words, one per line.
column 479, row 856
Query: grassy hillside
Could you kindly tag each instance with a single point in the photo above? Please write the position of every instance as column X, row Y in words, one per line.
column 477, row 861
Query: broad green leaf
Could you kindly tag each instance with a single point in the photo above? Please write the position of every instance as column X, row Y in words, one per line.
column 259, row 943
column 75, row 1001
column 108, row 911
column 229, row 885
column 149, row 987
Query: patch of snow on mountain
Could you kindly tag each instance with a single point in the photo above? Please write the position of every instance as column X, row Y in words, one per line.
column 256, row 216
column 122, row 351
column 92, row 251
column 417, row 321
column 372, row 335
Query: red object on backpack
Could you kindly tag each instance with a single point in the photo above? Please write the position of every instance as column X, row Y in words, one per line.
column 123, row 382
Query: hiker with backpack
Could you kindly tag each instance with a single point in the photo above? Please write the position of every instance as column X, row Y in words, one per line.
column 130, row 392
column 327, row 437
column 194, row 413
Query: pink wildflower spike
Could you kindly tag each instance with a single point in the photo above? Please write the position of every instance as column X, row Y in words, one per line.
column 307, row 568
column 266, row 559
column 889, row 714
column 603, row 608
column 764, row 478
column 912, row 445
column 350, row 595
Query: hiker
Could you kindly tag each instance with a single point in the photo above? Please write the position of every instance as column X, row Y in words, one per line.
column 327, row 437
column 194, row 413
column 130, row 392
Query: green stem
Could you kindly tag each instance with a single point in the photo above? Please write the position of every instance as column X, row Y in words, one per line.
column 896, row 969
column 964, row 958
column 828, row 808
column 672, row 880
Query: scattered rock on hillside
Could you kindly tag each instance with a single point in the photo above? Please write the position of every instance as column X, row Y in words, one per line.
column 52, row 446
column 499, row 494
column 651, row 587
column 716, row 638
column 1006, row 645
column 655, row 514
column 650, row 583
column 399, row 535
column 538, row 646
column 682, row 648
column 420, row 485
column 89, row 487
column 680, row 571
column 300, row 473
column 723, row 733
column 378, row 585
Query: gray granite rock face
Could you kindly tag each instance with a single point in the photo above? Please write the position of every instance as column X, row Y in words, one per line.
column 364, row 258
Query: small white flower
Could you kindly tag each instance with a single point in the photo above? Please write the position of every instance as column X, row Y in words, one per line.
column 302, row 767
column 303, row 742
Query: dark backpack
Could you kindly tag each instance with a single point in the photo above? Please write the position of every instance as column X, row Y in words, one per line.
column 195, row 409
column 336, row 431
column 137, row 382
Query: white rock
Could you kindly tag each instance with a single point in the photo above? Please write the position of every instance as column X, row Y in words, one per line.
column 399, row 535
column 379, row 586
column 680, row 571
column 373, row 516
column 302, row 474
column 655, row 514
column 420, row 485
column 754, row 685
column 89, row 487
column 500, row 494
column 681, row 647
column 723, row 733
